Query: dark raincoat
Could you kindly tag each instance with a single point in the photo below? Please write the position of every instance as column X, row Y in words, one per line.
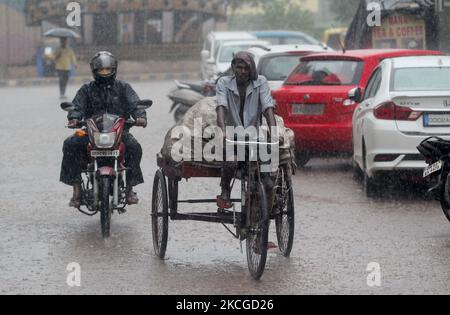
column 94, row 99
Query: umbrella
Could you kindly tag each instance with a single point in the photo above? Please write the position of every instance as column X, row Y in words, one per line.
column 61, row 32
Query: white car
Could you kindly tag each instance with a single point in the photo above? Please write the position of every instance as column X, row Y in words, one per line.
column 211, row 48
column 227, row 50
column 406, row 100
column 276, row 62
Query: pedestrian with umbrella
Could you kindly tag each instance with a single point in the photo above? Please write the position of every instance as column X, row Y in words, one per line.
column 64, row 57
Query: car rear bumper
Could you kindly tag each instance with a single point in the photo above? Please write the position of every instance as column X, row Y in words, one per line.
column 385, row 139
column 322, row 138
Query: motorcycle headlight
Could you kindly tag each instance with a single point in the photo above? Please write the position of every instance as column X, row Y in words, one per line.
column 104, row 140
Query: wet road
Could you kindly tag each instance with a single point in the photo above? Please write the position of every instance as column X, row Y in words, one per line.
column 339, row 231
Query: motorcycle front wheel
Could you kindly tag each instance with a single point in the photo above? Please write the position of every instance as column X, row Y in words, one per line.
column 105, row 206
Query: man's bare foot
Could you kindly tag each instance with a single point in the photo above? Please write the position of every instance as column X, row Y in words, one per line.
column 132, row 198
column 223, row 200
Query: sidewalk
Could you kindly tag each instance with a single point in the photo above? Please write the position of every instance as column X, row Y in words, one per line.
column 130, row 71
column 79, row 80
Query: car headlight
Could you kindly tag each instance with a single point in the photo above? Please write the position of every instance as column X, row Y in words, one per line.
column 104, row 140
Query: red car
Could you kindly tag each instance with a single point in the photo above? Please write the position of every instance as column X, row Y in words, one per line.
column 314, row 100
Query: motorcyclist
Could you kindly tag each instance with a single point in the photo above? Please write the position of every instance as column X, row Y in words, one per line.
column 105, row 94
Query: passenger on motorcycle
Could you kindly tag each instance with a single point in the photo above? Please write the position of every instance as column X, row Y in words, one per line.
column 103, row 95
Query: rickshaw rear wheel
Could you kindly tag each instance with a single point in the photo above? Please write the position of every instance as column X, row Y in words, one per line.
column 285, row 224
column 160, row 215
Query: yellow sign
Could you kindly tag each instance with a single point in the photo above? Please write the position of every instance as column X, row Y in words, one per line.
column 400, row 31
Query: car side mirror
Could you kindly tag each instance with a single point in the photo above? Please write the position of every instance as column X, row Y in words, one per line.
column 144, row 104
column 67, row 106
column 205, row 54
column 355, row 95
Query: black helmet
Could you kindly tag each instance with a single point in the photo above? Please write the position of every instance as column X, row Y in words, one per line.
column 102, row 60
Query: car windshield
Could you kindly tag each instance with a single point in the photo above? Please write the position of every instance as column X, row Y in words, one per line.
column 278, row 68
column 326, row 72
column 412, row 79
column 227, row 52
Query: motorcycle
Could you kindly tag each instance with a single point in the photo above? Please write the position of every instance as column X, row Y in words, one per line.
column 437, row 155
column 104, row 174
column 186, row 95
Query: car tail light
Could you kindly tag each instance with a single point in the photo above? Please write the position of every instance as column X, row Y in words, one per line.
column 391, row 111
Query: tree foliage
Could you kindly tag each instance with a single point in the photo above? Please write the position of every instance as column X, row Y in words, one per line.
column 345, row 10
column 276, row 14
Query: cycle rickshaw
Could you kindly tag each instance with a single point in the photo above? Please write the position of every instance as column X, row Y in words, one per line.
column 251, row 223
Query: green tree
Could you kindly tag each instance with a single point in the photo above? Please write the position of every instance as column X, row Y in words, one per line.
column 277, row 14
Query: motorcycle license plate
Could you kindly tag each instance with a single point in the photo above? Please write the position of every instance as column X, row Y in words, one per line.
column 432, row 169
column 114, row 153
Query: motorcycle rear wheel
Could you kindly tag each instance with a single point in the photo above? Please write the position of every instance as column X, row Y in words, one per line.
column 180, row 112
column 105, row 207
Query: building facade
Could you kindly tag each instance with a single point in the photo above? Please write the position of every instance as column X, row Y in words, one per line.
column 17, row 41
column 136, row 29
column 443, row 11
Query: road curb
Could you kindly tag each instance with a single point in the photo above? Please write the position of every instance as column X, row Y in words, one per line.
column 83, row 79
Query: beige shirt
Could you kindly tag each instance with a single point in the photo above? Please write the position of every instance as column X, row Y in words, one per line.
column 258, row 100
column 65, row 57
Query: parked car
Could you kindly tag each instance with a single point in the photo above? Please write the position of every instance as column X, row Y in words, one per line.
column 211, row 47
column 277, row 62
column 227, row 50
column 314, row 99
column 406, row 101
column 286, row 38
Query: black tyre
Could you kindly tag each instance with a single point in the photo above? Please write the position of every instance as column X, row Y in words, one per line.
column 445, row 198
column 105, row 207
column 285, row 224
column 180, row 112
column 357, row 172
column 258, row 231
column 160, row 215
column 370, row 185
column 302, row 158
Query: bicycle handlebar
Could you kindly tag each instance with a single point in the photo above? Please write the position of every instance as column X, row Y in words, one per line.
column 251, row 142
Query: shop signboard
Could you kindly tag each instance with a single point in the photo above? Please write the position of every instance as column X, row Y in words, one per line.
column 400, row 31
